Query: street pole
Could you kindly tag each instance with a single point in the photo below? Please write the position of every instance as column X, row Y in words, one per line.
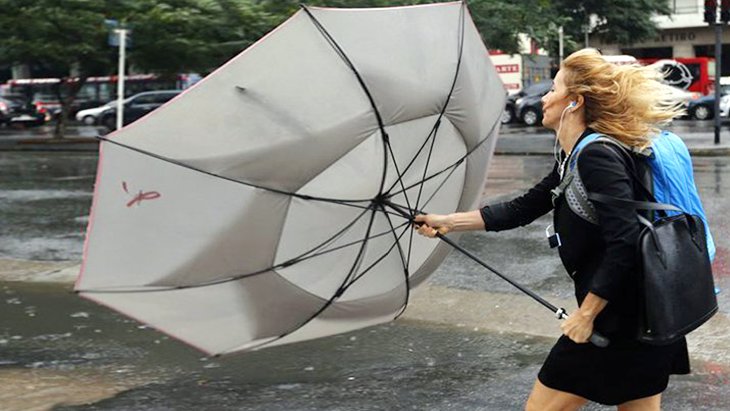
column 718, row 73
column 560, row 43
column 120, row 78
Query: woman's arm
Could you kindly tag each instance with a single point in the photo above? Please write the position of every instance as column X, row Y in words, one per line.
column 502, row 216
column 579, row 325
column 430, row 224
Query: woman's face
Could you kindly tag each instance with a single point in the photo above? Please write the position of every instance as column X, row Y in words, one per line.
column 554, row 102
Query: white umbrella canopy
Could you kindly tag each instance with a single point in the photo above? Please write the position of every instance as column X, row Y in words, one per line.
column 263, row 206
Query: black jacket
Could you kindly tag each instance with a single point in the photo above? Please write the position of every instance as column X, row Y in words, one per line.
column 600, row 259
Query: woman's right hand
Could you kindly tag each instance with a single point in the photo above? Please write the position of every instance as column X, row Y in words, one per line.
column 430, row 224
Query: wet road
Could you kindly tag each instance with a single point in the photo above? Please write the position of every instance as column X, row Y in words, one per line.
column 70, row 351
column 56, row 348
column 44, row 204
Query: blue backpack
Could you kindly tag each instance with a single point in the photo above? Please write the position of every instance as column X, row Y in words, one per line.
column 672, row 179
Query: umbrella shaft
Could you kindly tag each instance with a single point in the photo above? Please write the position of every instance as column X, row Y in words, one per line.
column 476, row 259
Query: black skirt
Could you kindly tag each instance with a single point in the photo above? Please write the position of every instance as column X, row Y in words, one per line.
column 625, row 370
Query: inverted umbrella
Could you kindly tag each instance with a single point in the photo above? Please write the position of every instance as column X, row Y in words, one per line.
column 265, row 205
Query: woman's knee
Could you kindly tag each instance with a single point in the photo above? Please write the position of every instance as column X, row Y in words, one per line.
column 543, row 398
column 652, row 403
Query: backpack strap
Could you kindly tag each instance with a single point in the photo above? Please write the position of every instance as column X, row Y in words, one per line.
column 651, row 205
column 576, row 195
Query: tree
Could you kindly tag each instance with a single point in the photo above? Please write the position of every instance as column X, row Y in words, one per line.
column 617, row 21
column 62, row 36
column 498, row 21
column 169, row 37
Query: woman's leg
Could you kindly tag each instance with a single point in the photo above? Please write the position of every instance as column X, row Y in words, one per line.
column 652, row 403
column 543, row 398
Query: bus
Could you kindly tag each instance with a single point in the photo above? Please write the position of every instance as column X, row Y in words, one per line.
column 694, row 74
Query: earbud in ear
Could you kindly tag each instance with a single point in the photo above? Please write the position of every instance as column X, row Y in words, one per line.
column 572, row 104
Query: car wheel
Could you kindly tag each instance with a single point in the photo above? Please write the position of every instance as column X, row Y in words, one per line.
column 702, row 113
column 507, row 116
column 530, row 116
column 89, row 120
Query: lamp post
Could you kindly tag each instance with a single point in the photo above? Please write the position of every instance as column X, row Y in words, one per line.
column 560, row 44
column 120, row 78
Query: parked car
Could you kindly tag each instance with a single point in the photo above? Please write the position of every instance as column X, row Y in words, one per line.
column 137, row 106
column 508, row 115
column 526, row 106
column 16, row 110
column 91, row 116
column 703, row 108
column 725, row 106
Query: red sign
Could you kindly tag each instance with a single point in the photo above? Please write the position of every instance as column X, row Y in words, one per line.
column 507, row 68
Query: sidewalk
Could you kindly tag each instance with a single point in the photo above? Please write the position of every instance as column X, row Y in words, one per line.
column 513, row 140
column 77, row 138
column 540, row 141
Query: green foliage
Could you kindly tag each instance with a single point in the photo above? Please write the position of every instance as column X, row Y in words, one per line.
column 174, row 36
column 168, row 36
column 171, row 36
column 56, row 34
column 618, row 21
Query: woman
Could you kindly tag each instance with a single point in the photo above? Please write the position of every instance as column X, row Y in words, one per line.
column 625, row 102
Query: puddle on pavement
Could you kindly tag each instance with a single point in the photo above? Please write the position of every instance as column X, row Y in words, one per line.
column 44, row 200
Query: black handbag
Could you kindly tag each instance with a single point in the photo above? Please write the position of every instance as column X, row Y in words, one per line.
column 676, row 287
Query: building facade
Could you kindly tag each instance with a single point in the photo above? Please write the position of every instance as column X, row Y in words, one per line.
column 682, row 34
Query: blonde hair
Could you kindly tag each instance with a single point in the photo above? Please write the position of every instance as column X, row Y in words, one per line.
column 627, row 102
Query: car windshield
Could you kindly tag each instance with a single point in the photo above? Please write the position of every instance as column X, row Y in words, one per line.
column 538, row 88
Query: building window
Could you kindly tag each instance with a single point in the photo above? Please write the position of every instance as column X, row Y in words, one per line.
column 684, row 6
column 650, row 52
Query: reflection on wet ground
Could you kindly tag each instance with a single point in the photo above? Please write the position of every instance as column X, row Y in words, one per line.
column 44, row 204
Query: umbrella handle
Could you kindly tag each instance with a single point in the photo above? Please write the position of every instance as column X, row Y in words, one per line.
column 599, row 340
column 596, row 338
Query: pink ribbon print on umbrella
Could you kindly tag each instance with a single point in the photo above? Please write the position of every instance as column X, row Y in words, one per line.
column 141, row 195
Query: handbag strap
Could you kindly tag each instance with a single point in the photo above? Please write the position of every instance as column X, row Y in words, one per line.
column 639, row 205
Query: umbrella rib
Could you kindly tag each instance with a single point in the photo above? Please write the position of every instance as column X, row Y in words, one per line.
column 437, row 124
column 343, row 202
column 400, row 176
column 448, row 98
column 435, row 127
column 376, row 262
column 340, row 290
column 351, row 243
column 425, row 203
column 341, row 53
column 457, row 162
column 405, row 261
